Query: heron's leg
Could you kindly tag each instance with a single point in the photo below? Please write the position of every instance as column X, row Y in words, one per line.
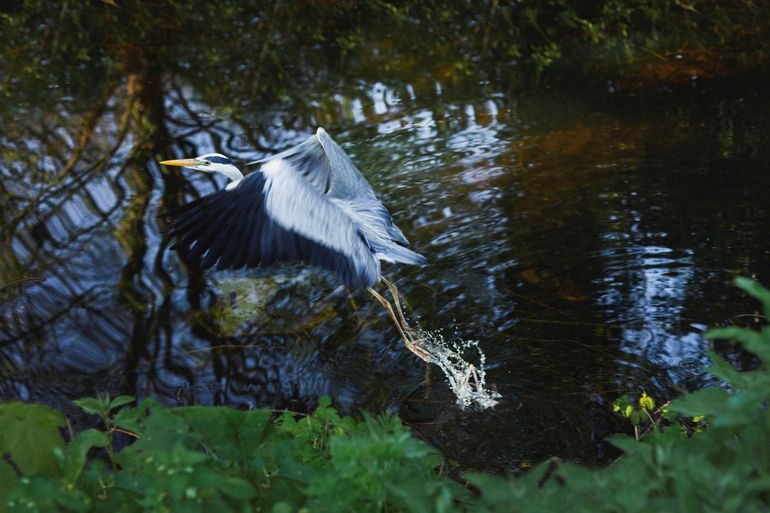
column 411, row 343
column 470, row 375
column 384, row 302
column 397, row 302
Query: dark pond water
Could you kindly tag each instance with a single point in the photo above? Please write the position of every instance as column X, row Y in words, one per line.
column 585, row 235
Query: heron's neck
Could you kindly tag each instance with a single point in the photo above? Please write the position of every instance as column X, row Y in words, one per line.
column 230, row 171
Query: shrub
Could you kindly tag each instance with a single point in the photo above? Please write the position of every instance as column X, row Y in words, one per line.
column 217, row 459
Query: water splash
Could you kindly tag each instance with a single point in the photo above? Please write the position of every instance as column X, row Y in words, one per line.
column 466, row 380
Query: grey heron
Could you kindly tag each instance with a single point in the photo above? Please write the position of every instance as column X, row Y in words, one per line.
column 307, row 204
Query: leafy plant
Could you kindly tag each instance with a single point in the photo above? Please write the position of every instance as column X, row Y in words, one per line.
column 638, row 412
column 204, row 458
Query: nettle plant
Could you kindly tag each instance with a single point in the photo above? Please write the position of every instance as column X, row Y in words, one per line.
column 202, row 458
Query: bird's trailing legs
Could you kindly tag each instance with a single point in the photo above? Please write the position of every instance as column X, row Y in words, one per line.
column 411, row 338
column 463, row 378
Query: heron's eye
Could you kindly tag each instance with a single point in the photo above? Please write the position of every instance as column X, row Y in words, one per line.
column 206, row 162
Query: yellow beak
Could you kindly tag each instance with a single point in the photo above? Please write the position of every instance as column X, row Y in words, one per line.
column 181, row 162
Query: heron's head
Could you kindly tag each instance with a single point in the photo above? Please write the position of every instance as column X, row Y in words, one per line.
column 209, row 163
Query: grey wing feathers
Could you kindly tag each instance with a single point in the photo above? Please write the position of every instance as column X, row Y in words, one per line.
column 347, row 182
column 349, row 185
column 236, row 228
column 330, row 170
column 309, row 160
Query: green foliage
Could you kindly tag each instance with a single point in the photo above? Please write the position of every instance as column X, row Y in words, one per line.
column 203, row 459
column 706, row 451
column 266, row 49
column 635, row 412
column 30, row 434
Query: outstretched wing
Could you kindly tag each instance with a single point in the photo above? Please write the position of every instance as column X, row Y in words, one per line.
column 274, row 215
column 326, row 166
column 309, row 160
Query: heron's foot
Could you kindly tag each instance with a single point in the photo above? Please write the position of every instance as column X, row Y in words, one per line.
column 415, row 344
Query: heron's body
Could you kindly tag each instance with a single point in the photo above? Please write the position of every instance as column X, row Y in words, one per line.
column 308, row 204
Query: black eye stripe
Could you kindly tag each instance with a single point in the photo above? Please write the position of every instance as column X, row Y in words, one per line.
column 219, row 160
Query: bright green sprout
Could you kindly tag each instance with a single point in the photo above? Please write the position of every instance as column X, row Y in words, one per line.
column 646, row 402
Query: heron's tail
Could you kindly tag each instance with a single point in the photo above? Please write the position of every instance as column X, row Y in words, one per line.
column 396, row 253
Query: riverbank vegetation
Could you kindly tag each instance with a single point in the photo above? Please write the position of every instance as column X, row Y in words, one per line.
column 706, row 451
column 270, row 50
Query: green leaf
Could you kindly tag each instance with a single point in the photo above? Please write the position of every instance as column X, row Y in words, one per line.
column 624, row 443
column 252, row 430
column 709, row 401
column 30, row 433
column 231, row 433
column 685, row 487
column 722, row 369
column 282, row 507
column 130, row 419
column 166, row 437
column 90, row 405
column 619, row 405
column 121, row 400
column 646, row 402
column 761, row 485
column 754, row 341
column 77, row 451
column 8, row 480
column 237, row 488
